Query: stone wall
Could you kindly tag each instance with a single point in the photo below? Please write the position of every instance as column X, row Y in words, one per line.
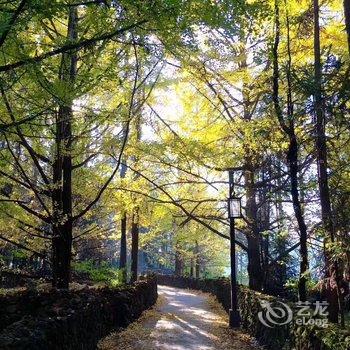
column 16, row 278
column 71, row 320
column 282, row 337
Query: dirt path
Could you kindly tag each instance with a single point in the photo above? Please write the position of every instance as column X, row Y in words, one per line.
column 181, row 320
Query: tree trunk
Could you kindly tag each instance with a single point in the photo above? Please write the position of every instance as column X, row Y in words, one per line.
column 321, row 149
column 253, row 236
column 178, row 262
column 62, row 169
column 292, row 154
column 123, row 249
column 198, row 261
column 123, row 240
column 347, row 20
column 191, row 268
column 134, row 246
column 61, row 258
column 292, row 157
column 264, row 221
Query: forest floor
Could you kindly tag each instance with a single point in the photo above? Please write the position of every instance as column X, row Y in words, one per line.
column 181, row 320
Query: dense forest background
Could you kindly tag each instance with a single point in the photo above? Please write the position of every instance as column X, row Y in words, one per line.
column 120, row 119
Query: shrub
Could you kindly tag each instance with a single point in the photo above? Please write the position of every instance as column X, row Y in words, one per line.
column 99, row 273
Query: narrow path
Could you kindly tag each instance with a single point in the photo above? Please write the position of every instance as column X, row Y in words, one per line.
column 181, row 320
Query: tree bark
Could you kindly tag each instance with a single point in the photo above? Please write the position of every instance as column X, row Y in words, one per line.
column 347, row 20
column 191, row 268
column 198, row 261
column 123, row 239
column 253, row 236
column 292, row 158
column 178, row 262
column 332, row 272
column 134, row 246
column 264, row 225
column 62, row 170
column 288, row 128
column 123, row 249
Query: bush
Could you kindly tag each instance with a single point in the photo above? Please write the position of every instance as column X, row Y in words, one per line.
column 99, row 273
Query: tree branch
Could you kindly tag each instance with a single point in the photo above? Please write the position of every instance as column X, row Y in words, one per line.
column 68, row 47
column 12, row 21
column 21, row 246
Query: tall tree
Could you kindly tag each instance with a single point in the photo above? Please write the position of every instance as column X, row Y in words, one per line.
column 136, row 111
column 288, row 126
column 346, row 4
column 62, row 169
column 123, row 248
column 123, row 240
column 332, row 271
column 134, row 245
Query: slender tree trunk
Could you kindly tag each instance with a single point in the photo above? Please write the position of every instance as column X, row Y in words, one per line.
column 253, row 236
column 191, row 268
column 198, row 261
column 264, row 222
column 134, row 246
column 57, row 238
column 347, row 20
column 136, row 211
column 332, row 271
column 178, row 262
column 292, row 157
column 293, row 164
column 198, row 268
column 62, row 169
column 281, row 243
column 123, row 239
column 292, row 154
column 123, row 250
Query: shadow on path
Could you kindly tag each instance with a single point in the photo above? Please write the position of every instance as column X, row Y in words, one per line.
column 181, row 320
